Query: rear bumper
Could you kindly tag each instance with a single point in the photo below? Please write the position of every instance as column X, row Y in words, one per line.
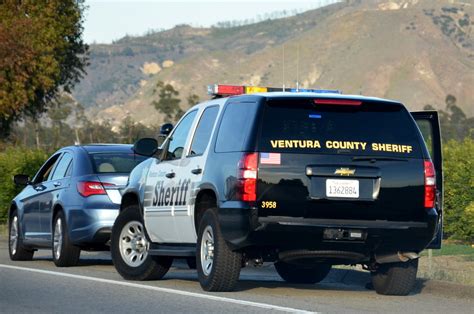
column 90, row 227
column 242, row 228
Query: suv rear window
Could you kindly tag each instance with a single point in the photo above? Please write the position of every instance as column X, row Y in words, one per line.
column 115, row 162
column 372, row 128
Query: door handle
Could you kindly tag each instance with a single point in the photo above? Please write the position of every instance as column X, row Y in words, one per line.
column 40, row 188
column 57, row 183
column 170, row 175
column 196, row 171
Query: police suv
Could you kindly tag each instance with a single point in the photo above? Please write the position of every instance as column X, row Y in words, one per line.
column 305, row 180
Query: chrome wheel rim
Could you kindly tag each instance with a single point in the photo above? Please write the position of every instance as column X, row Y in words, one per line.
column 14, row 235
column 58, row 238
column 133, row 244
column 207, row 250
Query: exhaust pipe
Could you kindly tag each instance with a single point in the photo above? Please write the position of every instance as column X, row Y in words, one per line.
column 394, row 258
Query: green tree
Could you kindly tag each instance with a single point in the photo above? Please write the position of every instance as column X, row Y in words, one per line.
column 41, row 52
column 168, row 102
column 459, row 189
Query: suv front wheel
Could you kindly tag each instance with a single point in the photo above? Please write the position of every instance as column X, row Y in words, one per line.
column 217, row 265
column 129, row 247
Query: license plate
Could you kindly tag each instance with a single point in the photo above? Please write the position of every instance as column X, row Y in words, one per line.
column 342, row 188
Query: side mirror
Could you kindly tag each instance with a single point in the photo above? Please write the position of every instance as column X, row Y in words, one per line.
column 21, row 179
column 146, row 147
column 166, row 129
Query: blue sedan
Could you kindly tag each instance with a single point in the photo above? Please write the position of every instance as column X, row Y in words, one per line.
column 71, row 203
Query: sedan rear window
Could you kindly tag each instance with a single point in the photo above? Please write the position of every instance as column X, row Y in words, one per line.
column 115, row 162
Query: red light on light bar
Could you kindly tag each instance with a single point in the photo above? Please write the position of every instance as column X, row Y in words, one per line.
column 341, row 102
column 230, row 90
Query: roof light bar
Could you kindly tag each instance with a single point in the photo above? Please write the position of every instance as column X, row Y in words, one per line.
column 230, row 90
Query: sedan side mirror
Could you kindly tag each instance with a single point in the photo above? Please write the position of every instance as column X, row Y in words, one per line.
column 166, row 129
column 21, row 179
column 146, row 147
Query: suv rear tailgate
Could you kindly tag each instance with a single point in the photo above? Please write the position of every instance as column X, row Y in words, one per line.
column 358, row 161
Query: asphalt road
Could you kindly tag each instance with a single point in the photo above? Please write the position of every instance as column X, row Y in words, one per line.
column 94, row 286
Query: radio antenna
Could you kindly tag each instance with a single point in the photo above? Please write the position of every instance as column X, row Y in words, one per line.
column 297, row 68
column 283, row 67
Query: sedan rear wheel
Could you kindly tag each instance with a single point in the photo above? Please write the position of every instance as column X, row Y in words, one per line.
column 65, row 254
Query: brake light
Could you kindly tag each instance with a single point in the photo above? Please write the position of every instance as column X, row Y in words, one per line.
column 341, row 102
column 430, row 184
column 248, row 177
column 88, row 188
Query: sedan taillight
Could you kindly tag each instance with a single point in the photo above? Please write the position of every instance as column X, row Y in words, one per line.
column 88, row 188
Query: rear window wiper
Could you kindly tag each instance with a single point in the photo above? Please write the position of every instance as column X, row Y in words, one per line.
column 374, row 159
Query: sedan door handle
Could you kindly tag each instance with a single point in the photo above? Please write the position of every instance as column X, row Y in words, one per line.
column 170, row 175
column 56, row 184
column 40, row 188
column 196, row 171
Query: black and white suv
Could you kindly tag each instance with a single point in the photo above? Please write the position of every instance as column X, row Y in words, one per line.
column 304, row 180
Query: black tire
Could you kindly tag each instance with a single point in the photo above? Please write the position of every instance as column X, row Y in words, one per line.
column 395, row 278
column 148, row 268
column 308, row 274
column 65, row 254
column 191, row 261
column 15, row 241
column 224, row 272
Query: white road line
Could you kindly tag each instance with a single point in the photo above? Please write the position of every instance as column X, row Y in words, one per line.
column 160, row 289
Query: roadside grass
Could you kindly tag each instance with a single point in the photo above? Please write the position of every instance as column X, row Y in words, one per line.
column 3, row 230
column 453, row 262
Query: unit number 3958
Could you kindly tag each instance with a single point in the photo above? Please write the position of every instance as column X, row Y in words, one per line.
column 269, row 204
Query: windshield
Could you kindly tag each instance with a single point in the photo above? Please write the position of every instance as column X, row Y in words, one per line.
column 372, row 128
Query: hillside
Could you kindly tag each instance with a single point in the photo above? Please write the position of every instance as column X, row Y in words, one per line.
column 416, row 51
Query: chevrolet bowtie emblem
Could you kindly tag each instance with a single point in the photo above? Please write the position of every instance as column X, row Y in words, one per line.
column 345, row 171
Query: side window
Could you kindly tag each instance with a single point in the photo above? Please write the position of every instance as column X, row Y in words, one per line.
column 45, row 170
column 204, row 131
column 179, row 136
column 235, row 125
column 62, row 167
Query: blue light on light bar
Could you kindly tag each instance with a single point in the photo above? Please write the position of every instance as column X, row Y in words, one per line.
column 318, row 91
column 314, row 116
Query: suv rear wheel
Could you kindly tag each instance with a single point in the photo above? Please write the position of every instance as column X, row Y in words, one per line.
column 15, row 243
column 217, row 265
column 129, row 248
column 309, row 274
column 395, row 278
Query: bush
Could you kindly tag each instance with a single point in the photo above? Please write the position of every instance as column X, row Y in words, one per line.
column 459, row 189
column 14, row 160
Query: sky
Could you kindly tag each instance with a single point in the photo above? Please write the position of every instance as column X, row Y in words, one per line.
column 108, row 20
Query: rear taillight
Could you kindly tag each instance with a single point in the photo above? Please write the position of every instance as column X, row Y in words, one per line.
column 248, row 177
column 430, row 184
column 88, row 188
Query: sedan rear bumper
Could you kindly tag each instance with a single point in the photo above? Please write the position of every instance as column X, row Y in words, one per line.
column 89, row 227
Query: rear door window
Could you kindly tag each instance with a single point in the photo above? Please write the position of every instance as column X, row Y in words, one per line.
column 62, row 167
column 235, row 126
column 372, row 128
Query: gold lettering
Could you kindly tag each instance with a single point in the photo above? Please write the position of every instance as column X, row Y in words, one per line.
column 363, row 144
column 316, row 144
column 329, row 144
column 274, row 143
column 281, row 144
